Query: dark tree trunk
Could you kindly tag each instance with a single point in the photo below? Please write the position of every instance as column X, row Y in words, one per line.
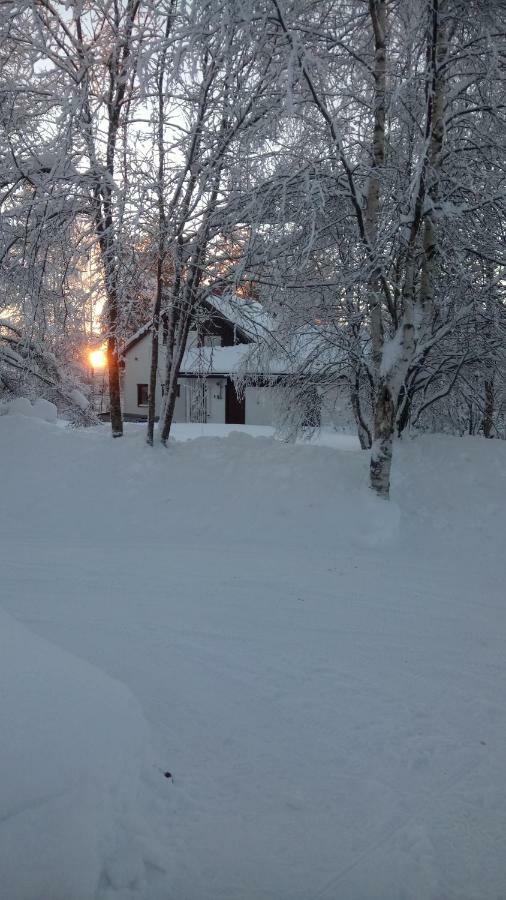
column 381, row 454
column 404, row 411
column 162, row 226
column 153, row 370
column 155, row 343
column 488, row 414
column 363, row 430
column 169, row 415
column 114, row 387
column 171, row 383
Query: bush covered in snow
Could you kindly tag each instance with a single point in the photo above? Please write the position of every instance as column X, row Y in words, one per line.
column 29, row 371
column 22, row 406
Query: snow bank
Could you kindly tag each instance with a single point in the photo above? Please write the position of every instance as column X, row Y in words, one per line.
column 73, row 406
column 79, row 399
column 22, row 406
column 73, row 758
column 45, row 410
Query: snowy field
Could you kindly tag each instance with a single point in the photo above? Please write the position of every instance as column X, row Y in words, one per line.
column 322, row 673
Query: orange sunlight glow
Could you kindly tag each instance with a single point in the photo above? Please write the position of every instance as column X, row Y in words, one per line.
column 98, row 359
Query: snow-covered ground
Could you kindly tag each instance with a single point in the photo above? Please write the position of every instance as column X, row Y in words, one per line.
column 323, row 673
column 78, row 794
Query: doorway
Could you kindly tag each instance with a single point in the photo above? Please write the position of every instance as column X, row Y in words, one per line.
column 235, row 406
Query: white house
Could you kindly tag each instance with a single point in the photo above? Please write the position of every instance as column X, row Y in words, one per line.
column 217, row 350
column 222, row 347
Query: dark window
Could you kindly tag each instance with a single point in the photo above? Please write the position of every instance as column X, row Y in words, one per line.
column 142, row 395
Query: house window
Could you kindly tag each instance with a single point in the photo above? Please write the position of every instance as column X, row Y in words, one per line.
column 142, row 395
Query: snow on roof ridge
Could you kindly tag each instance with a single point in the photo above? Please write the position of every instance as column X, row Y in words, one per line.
column 138, row 334
column 248, row 314
column 244, row 313
column 240, row 359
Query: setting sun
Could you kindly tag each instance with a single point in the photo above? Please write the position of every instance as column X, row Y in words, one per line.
column 98, row 359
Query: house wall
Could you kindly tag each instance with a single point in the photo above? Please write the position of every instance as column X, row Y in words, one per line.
column 336, row 409
column 215, row 399
column 259, row 406
column 137, row 366
column 136, row 372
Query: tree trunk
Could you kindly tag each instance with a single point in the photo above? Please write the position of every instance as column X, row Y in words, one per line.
column 377, row 10
column 384, row 413
column 416, row 310
column 153, row 371
column 381, row 453
column 114, row 387
column 170, row 323
column 169, row 410
column 363, row 431
column 403, row 411
column 488, row 414
column 439, row 50
column 171, row 383
column 162, row 227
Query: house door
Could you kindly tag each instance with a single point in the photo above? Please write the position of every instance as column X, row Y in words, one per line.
column 198, row 400
column 235, row 407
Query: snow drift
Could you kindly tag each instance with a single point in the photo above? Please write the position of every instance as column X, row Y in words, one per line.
column 74, row 787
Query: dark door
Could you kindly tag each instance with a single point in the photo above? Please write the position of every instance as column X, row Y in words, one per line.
column 235, row 407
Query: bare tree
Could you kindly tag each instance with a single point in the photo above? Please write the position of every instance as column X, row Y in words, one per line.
column 87, row 60
column 402, row 301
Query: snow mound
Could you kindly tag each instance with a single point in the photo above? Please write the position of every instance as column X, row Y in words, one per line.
column 45, row 410
column 374, row 522
column 22, row 406
column 74, row 751
column 79, row 399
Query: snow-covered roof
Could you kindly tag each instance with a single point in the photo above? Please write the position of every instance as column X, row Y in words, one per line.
column 135, row 338
column 247, row 315
column 307, row 351
column 241, row 359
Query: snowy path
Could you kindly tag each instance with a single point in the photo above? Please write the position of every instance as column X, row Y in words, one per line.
column 332, row 704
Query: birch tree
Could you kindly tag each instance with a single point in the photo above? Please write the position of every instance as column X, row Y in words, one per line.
column 416, row 68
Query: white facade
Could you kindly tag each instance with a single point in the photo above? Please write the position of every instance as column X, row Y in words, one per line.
column 199, row 400
column 203, row 398
column 259, row 406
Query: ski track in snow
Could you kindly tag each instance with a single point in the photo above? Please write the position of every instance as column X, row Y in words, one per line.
column 325, row 678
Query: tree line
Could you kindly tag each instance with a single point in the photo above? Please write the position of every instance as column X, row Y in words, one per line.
column 345, row 157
